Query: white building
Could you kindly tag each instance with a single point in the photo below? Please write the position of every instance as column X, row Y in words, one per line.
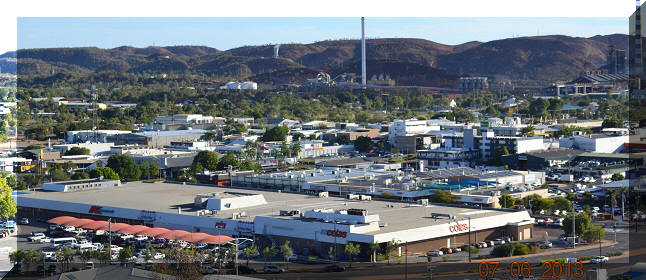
column 596, row 143
column 95, row 148
column 82, row 136
column 410, row 127
column 185, row 118
column 248, row 85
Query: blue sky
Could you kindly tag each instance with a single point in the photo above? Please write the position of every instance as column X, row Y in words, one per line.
column 227, row 33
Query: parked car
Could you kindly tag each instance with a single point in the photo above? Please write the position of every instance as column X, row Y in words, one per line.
column 201, row 246
column 210, row 270
column 69, row 228
column 293, row 258
column 98, row 246
column 490, row 243
column 484, row 244
column 499, row 241
column 50, row 255
column 115, row 248
column 159, row 256
column 35, row 236
column 89, row 265
column 337, row 268
column 23, row 221
column 456, row 249
column 599, row 259
column 273, row 269
column 435, row 253
column 243, row 269
column 545, row 244
column 446, row 250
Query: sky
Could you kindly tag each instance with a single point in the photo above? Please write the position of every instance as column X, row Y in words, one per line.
column 227, row 33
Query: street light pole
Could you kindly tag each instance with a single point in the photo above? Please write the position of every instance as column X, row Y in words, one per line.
column 110, row 238
column 469, row 245
column 573, row 227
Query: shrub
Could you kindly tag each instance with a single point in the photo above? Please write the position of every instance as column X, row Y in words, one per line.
column 445, row 258
column 520, row 249
column 503, row 250
column 534, row 249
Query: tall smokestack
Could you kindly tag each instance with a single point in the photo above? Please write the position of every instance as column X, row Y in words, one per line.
column 363, row 51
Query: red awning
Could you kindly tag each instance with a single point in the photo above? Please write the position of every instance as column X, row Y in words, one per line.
column 115, row 227
column 195, row 237
column 78, row 222
column 95, row 225
column 61, row 220
column 133, row 229
column 217, row 239
column 173, row 234
column 153, row 232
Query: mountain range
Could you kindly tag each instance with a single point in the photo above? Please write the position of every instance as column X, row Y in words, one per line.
column 408, row 61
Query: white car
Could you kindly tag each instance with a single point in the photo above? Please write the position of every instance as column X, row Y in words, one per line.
column 599, row 259
column 158, row 256
column 50, row 256
column 499, row 241
column 115, row 248
column 45, row 240
column 35, row 236
column 69, row 228
column 435, row 253
column 98, row 246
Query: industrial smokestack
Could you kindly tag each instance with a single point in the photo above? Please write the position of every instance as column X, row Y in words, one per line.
column 363, row 51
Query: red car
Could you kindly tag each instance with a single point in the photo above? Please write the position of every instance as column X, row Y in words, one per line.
column 446, row 250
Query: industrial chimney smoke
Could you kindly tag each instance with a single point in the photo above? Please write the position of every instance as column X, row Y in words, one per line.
column 363, row 51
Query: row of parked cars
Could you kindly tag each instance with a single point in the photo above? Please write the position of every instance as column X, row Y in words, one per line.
column 483, row 244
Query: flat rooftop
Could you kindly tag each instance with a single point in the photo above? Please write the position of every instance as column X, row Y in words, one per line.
column 167, row 197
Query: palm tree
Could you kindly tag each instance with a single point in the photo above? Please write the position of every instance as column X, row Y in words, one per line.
column 251, row 250
column 352, row 249
column 613, row 201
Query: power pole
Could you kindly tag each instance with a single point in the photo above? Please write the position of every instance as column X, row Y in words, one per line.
column 406, row 262
column 236, row 257
column 110, row 237
column 573, row 227
column 469, row 246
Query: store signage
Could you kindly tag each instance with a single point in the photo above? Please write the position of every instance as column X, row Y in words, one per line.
column 458, row 227
column 99, row 210
column 220, row 225
column 337, row 233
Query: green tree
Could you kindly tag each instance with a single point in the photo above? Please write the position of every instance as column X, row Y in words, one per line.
column 125, row 166
column 106, row 172
column 80, row 175
column 507, row 201
column 8, row 206
column 612, row 123
column 209, row 136
column 250, row 165
column 498, row 154
column 561, row 203
column 343, row 139
column 527, row 131
column 295, row 149
column 277, row 133
column 249, row 251
column 149, row 169
column 226, row 160
column 582, row 223
column 207, row 159
column 538, row 107
column 75, row 151
column 269, row 252
column 351, row 250
column 287, row 252
column 390, row 248
column 617, row 177
column 284, row 149
column 65, row 255
column 363, row 144
column 594, row 233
